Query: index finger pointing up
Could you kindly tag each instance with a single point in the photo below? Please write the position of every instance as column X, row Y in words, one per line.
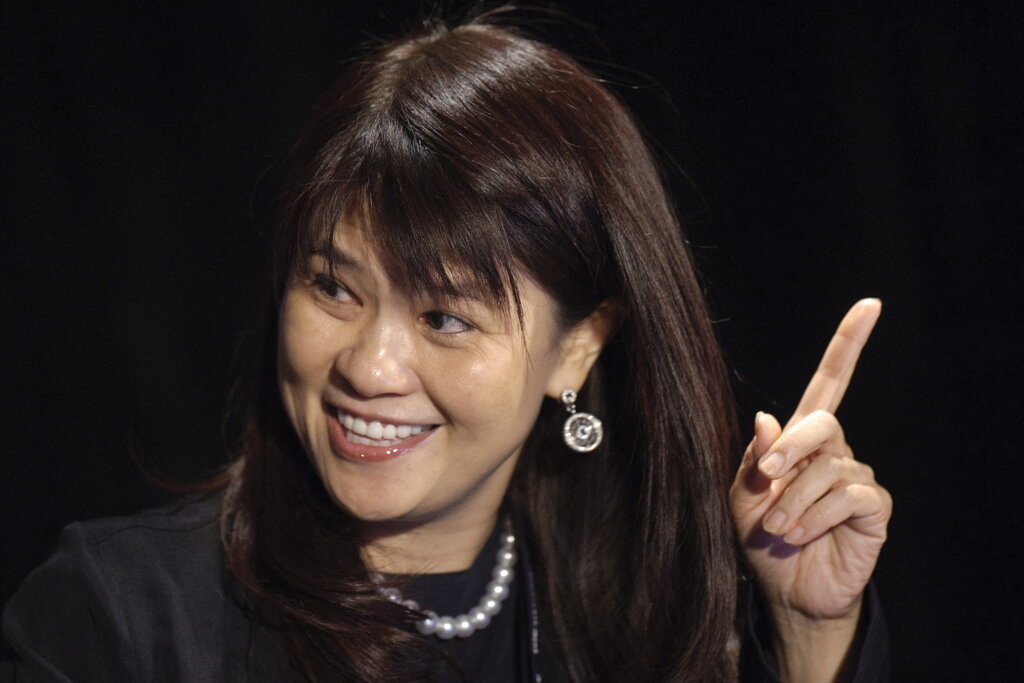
column 825, row 390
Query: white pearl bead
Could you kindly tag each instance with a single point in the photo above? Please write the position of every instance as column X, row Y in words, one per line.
column 464, row 626
column 509, row 539
column 391, row 594
column 479, row 617
column 411, row 604
column 497, row 590
column 503, row 574
column 490, row 605
column 429, row 625
column 445, row 628
column 506, row 558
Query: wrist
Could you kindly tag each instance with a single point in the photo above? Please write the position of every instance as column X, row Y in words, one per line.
column 813, row 648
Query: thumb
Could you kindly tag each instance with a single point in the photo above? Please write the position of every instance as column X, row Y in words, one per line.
column 767, row 430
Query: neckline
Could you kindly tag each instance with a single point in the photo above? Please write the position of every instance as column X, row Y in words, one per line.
column 453, row 592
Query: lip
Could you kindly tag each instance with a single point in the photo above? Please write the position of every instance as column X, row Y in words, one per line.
column 355, row 452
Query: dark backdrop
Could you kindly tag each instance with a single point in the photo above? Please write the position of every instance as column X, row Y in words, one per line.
column 829, row 153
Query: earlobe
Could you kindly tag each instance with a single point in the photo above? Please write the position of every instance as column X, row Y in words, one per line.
column 581, row 347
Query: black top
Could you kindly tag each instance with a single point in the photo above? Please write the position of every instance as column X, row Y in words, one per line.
column 147, row 598
column 486, row 655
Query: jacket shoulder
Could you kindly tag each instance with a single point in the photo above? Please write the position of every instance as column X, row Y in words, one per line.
column 177, row 542
column 140, row 597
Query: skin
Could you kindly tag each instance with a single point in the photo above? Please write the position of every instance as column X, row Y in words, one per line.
column 812, row 519
column 352, row 340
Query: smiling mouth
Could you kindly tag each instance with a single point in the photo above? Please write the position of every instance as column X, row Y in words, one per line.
column 375, row 433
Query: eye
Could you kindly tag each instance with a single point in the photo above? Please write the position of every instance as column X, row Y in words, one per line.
column 330, row 289
column 445, row 323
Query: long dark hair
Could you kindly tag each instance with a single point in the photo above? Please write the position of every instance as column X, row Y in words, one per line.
column 475, row 149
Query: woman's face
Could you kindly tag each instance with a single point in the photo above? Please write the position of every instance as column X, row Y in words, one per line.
column 413, row 411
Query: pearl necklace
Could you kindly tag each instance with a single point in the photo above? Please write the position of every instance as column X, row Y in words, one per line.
column 464, row 625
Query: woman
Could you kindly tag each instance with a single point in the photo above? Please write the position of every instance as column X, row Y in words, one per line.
column 475, row 245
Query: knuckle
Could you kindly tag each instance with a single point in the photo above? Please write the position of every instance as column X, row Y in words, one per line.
column 867, row 495
column 854, row 471
column 828, row 423
column 859, row 472
column 824, row 420
column 886, row 500
column 822, row 416
column 857, row 492
column 835, row 467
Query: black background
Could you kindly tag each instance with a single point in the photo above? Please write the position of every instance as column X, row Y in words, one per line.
column 830, row 152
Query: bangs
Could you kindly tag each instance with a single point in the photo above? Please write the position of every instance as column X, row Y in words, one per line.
column 430, row 231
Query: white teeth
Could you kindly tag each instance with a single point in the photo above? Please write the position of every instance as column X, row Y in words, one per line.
column 355, row 438
column 376, row 433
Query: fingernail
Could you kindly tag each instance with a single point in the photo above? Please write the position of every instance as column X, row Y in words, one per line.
column 772, row 464
column 775, row 522
column 795, row 535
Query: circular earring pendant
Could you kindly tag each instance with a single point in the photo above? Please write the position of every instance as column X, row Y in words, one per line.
column 582, row 432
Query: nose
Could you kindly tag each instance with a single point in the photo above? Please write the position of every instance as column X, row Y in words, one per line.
column 378, row 361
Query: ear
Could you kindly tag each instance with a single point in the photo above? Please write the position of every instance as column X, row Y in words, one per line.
column 580, row 348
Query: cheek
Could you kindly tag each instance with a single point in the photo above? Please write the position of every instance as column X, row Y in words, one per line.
column 303, row 359
column 495, row 394
column 289, row 352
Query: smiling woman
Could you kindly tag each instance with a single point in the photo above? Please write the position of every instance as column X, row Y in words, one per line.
column 475, row 244
column 415, row 410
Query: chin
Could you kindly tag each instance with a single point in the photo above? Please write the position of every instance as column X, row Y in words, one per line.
column 376, row 512
column 368, row 503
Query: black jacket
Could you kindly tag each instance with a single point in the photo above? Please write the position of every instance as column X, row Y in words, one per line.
column 147, row 598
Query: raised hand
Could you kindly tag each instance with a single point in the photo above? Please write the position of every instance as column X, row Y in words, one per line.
column 811, row 519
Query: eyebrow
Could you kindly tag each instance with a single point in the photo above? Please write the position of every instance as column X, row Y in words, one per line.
column 337, row 257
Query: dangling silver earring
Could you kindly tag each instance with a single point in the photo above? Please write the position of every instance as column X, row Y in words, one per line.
column 582, row 431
